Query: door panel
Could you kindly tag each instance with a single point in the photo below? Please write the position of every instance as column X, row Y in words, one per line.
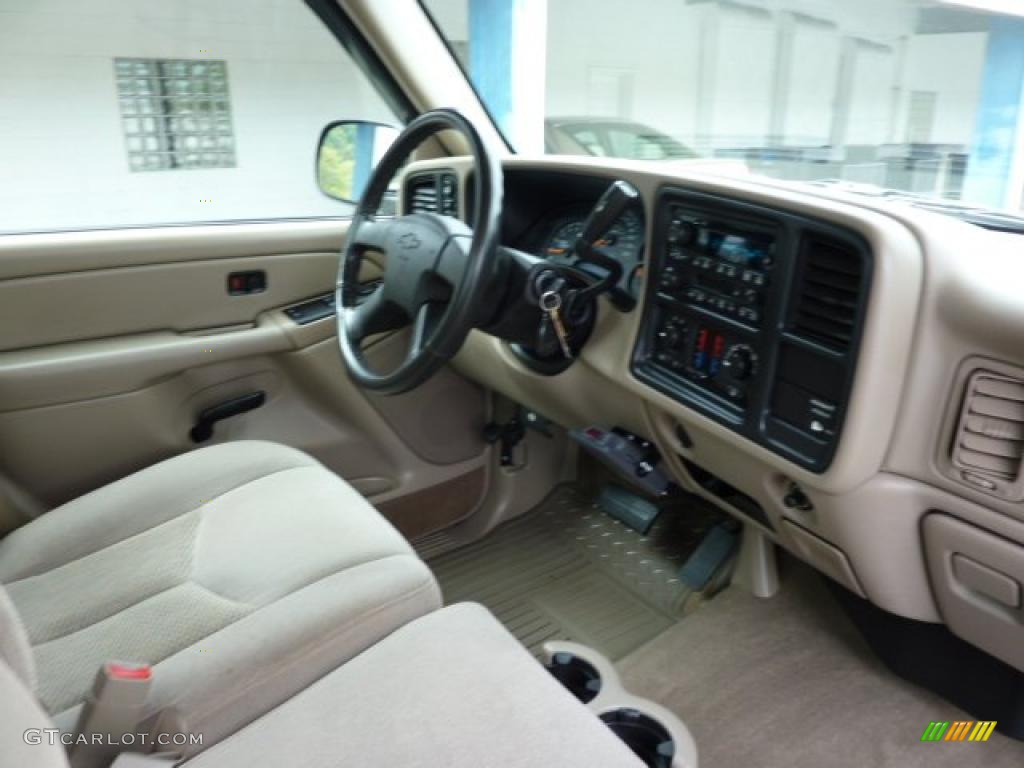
column 177, row 297
column 105, row 367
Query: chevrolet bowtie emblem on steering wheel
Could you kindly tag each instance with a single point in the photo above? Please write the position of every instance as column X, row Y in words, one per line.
column 408, row 241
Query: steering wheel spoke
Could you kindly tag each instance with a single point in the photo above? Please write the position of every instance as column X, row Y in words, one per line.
column 374, row 315
column 427, row 317
column 452, row 264
column 368, row 233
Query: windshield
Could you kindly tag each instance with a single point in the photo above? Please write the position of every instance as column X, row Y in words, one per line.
column 922, row 96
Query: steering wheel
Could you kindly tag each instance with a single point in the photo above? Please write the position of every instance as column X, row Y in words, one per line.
column 438, row 271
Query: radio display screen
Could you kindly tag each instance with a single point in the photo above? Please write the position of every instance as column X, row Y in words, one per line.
column 746, row 250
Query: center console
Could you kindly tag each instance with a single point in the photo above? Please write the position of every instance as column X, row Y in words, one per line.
column 753, row 317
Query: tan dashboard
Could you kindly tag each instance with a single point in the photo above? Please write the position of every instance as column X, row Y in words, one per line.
column 942, row 304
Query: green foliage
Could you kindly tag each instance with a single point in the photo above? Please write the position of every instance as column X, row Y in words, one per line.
column 337, row 162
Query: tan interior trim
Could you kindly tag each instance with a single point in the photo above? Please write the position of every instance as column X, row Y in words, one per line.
column 422, row 513
column 33, row 255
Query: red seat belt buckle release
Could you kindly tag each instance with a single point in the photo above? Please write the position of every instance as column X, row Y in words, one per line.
column 113, row 710
column 120, row 671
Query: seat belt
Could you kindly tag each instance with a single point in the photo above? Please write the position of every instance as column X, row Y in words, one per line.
column 108, row 724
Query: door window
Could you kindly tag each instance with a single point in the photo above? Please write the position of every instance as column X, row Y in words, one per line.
column 118, row 113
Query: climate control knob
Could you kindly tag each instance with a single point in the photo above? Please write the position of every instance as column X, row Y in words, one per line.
column 682, row 233
column 740, row 362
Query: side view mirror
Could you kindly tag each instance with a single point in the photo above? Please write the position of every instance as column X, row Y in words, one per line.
column 347, row 153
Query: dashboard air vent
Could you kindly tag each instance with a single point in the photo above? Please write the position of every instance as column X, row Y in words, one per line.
column 828, row 298
column 989, row 439
column 432, row 193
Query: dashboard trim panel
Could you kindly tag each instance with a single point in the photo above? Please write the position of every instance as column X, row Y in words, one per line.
column 753, row 413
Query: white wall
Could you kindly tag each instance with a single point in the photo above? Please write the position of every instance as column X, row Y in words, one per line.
column 950, row 65
column 707, row 72
column 740, row 81
column 656, row 41
column 63, row 162
column 812, row 78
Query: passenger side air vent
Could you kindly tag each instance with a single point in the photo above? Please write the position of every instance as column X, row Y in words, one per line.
column 432, row 193
column 989, row 440
column 830, row 279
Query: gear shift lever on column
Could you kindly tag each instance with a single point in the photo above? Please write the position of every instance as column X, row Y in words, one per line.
column 613, row 203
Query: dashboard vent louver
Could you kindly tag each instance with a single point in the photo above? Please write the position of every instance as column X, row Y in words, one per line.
column 421, row 194
column 829, row 294
column 989, row 439
column 432, row 193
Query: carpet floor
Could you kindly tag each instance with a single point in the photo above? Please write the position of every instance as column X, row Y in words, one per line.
column 568, row 571
column 788, row 683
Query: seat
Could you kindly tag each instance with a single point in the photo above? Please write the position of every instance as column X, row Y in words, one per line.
column 452, row 688
column 243, row 572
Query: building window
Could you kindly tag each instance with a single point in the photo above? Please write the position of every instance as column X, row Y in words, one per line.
column 175, row 113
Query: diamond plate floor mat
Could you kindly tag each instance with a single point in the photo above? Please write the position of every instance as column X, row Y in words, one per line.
column 567, row 571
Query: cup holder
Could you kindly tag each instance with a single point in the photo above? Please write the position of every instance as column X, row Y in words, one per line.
column 652, row 732
column 579, row 677
column 648, row 738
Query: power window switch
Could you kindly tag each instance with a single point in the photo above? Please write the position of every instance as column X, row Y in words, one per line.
column 245, row 283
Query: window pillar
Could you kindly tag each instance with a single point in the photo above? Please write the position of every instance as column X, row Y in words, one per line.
column 995, row 170
column 507, row 53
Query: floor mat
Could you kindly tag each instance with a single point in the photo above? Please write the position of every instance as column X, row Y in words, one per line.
column 567, row 571
column 788, row 683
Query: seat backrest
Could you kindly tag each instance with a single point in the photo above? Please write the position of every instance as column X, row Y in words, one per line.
column 27, row 735
column 23, row 723
column 15, row 649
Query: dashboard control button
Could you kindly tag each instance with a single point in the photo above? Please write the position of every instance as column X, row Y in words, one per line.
column 740, row 362
column 748, row 296
column 726, row 270
column 753, row 277
column 675, row 253
column 669, row 337
column 682, row 232
column 749, row 314
column 670, row 279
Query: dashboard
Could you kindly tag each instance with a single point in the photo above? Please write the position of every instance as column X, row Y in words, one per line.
column 753, row 318
column 624, row 242
column 822, row 365
column 751, row 315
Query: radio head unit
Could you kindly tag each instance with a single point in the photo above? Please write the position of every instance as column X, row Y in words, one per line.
column 749, row 313
column 717, row 264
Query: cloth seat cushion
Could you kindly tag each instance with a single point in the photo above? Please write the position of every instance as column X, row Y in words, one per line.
column 242, row 572
column 453, row 688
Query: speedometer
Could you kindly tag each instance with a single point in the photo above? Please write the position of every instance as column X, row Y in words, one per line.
column 562, row 243
column 623, row 242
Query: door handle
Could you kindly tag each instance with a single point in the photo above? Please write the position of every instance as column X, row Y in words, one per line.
column 203, row 430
